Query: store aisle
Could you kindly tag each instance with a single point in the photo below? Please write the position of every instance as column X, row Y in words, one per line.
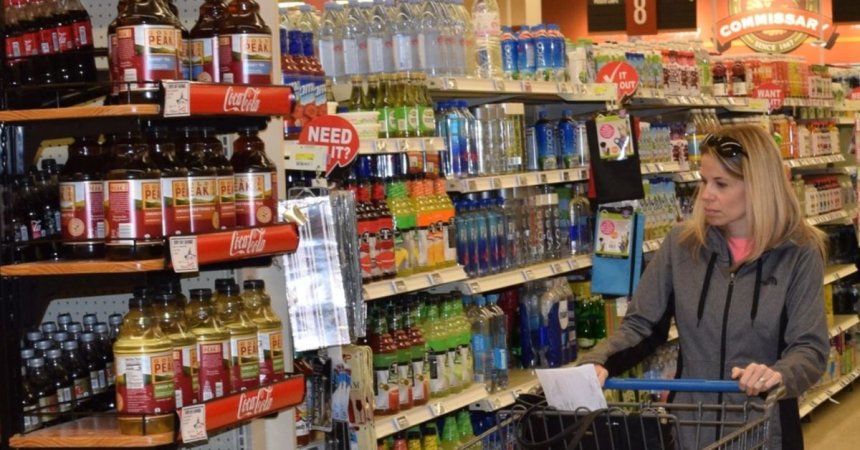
column 835, row 427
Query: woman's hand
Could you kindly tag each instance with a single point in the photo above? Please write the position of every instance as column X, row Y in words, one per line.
column 602, row 374
column 756, row 378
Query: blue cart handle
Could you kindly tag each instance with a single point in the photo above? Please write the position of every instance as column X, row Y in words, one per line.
column 679, row 385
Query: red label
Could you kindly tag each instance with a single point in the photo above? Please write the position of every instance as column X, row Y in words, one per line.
column 205, row 57
column 145, row 384
column 134, row 211
column 385, row 245
column 253, row 242
column 855, row 94
column 226, row 216
column 214, row 367
column 46, row 41
column 623, row 75
column 203, row 197
column 773, row 93
column 65, row 38
column 252, row 100
column 256, row 198
column 335, row 132
column 83, row 32
column 245, row 58
column 14, row 47
column 31, row 43
column 176, row 212
column 185, row 374
column 113, row 61
column 82, row 210
column 245, row 370
column 365, row 248
column 271, row 349
column 147, row 53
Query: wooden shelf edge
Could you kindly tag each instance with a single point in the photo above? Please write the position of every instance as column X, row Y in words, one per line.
column 44, row 268
column 92, row 431
column 78, row 112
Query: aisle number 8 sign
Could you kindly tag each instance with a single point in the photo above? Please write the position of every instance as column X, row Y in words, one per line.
column 641, row 17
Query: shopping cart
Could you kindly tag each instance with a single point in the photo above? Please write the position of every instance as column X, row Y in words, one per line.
column 645, row 425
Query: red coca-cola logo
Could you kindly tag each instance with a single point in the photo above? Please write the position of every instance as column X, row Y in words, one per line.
column 248, row 242
column 242, row 100
column 256, row 403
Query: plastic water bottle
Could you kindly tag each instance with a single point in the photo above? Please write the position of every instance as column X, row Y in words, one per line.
column 509, row 54
column 558, row 52
column 446, row 39
column 463, row 225
column 525, row 53
column 530, row 322
column 449, row 127
column 469, row 131
column 488, row 53
column 544, row 132
column 567, row 140
column 404, row 38
column 498, row 324
column 379, row 55
column 429, row 39
column 355, row 41
column 482, row 341
column 581, row 223
column 543, row 53
column 464, row 39
column 331, row 43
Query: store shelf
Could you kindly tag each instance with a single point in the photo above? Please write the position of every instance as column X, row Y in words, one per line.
column 843, row 323
column 821, row 395
column 479, row 184
column 400, row 145
column 687, row 177
column 519, row 381
column 656, row 98
column 566, row 91
column 388, row 425
column 412, row 283
column 846, row 121
column 657, row 168
column 809, row 102
column 88, row 432
column 525, row 274
column 847, row 105
column 652, row 245
column 814, row 161
column 829, row 217
column 78, row 112
column 832, row 274
column 43, row 268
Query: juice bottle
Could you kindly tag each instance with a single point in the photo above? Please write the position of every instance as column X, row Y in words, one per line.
column 367, row 224
column 171, row 320
column 134, row 204
column 451, row 332
column 244, row 347
column 78, row 372
column 49, row 51
column 245, row 45
column 270, row 330
column 202, row 182
column 224, row 217
column 430, row 436
column 425, row 222
column 437, row 351
column 63, row 383
column 293, row 77
column 313, row 70
column 203, row 45
column 404, row 106
column 84, row 68
column 450, row 433
column 148, row 42
column 386, row 377
column 18, row 68
column 303, row 80
column 385, row 104
column 43, row 389
column 446, row 216
column 420, row 382
column 404, row 354
column 144, row 372
column 174, row 183
column 113, row 53
column 464, row 425
column 404, row 227
column 183, row 55
column 385, row 247
column 437, row 252
column 213, row 346
column 82, row 200
column 413, row 439
column 368, row 102
column 256, row 180
column 464, row 337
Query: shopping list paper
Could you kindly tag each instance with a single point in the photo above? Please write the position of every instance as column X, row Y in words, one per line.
column 571, row 388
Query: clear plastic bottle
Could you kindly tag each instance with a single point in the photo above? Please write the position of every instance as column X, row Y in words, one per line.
column 430, row 55
column 581, row 222
column 498, row 325
column 488, row 52
column 330, row 43
column 379, row 41
column 465, row 44
column 404, row 38
column 355, row 41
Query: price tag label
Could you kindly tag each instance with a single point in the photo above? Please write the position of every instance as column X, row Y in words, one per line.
column 497, row 403
column 659, row 168
column 177, row 98
column 517, row 393
column 684, row 100
column 495, row 183
column 564, row 88
column 401, row 423
column 499, row 85
column 473, row 185
column 571, row 264
column 565, row 176
column 527, row 86
column 193, row 423
column 437, row 409
column 403, row 145
column 474, row 287
column 379, row 145
column 697, row 101
column 528, row 275
column 450, row 83
column 523, row 180
column 543, row 178
column 674, row 100
column 556, row 268
column 434, row 278
column 183, row 254
column 398, row 286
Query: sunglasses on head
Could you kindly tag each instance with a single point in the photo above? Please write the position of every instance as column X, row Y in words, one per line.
column 726, row 146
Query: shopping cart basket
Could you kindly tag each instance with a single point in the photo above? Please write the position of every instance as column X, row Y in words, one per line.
column 650, row 425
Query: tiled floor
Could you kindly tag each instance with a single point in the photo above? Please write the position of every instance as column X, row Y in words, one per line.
column 835, row 427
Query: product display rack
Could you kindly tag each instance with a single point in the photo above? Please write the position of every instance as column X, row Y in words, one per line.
column 388, row 425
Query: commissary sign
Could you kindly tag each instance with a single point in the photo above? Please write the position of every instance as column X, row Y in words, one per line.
column 774, row 26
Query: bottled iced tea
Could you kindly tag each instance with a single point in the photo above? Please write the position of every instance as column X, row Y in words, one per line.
column 82, row 200
column 213, row 346
column 213, row 151
column 171, row 319
column 256, row 180
column 202, row 182
column 174, row 183
column 205, row 63
column 245, row 45
column 270, row 330
column 244, row 347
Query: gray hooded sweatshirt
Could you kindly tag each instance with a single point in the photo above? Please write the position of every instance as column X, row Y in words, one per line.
column 770, row 311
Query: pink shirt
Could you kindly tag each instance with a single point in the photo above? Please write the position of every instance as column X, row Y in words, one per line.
column 740, row 247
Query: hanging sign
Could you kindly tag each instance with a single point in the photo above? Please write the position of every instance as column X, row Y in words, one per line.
column 623, row 75
column 772, row 93
column 337, row 134
column 641, row 17
column 778, row 26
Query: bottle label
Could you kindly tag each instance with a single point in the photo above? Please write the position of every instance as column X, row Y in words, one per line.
column 64, row 399
column 385, row 389
column 403, row 50
column 739, row 88
column 486, row 23
column 147, row 53
column 184, row 56
column 95, row 382
column 225, row 219
column 401, row 254
column 385, row 258
column 413, row 119
column 176, row 213
column 134, row 211
column 113, row 63
column 256, row 198
column 449, row 235
column 31, row 43
column 48, row 407
column 351, row 56
column 404, row 372
column 720, row 90
column 214, row 369
column 32, row 420
column 307, row 100
column 65, row 38
column 387, row 121
column 271, row 348
column 455, row 367
column 366, row 248
column 245, row 370
column 428, row 120
column 184, row 374
column 376, row 54
column 202, row 200
column 245, row 58
column 83, row 388
column 468, row 360
column 83, row 33
column 82, row 210
column 14, row 47
column 204, row 60
column 145, row 383
column 419, row 381
column 423, row 252
column 46, row 41
column 438, row 372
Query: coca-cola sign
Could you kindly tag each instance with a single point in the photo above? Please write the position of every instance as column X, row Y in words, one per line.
column 242, row 99
column 246, row 243
column 220, row 99
column 255, row 404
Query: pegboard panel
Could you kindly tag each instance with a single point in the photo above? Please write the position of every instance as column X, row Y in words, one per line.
column 102, row 305
column 230, row 439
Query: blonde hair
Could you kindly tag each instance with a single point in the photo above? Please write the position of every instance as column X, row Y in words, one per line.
column 772, row 209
